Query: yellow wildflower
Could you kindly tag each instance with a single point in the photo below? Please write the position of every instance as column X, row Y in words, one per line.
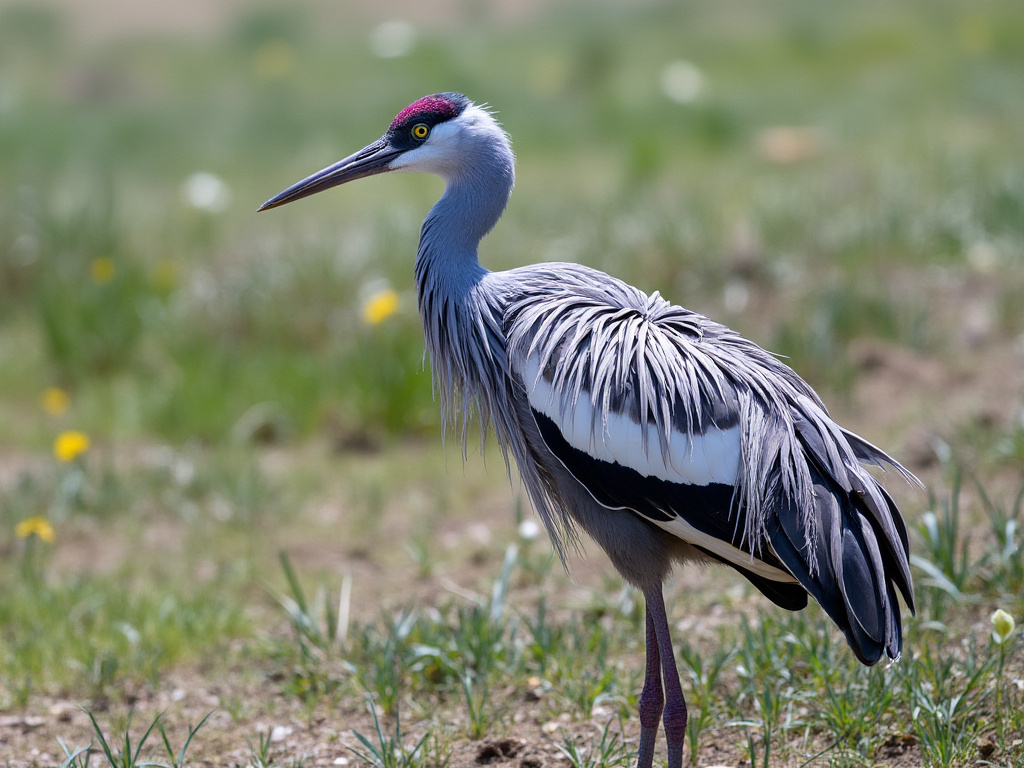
column 380, row 306
column 35, row 526
column 70, row 445
column 1002, row 626
column 102, row 270
column 55, row 401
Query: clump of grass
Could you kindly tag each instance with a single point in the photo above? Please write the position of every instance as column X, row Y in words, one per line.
column 545, row 638
column 957, row 571
column 177, row 759
column 585, row 676
column 946, row 560
column 128, row 757
column 125, row 757
column 259, row 751
column 606, row 748
column 575, row 659
column 385, row 660
column 703, row 675
column 459, row 649
column 853, row 708
column 388, row 749
column 320, row 630
column 944, row 692
column 1003, row 565
column 484, row 636
column 320, row 627
column 77, row 758
column 769, row 688
column 480, row 710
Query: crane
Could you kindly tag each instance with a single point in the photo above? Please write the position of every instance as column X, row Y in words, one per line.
column 665, row 437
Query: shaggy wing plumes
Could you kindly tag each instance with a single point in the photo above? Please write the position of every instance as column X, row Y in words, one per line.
column 860, row 558
column 658, row 410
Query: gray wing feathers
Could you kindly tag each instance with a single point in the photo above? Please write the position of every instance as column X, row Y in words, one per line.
column 634, row 354
column 801, row 486
column 863, row 537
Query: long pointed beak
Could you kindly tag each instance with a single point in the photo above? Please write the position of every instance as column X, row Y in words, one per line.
column 366, row 162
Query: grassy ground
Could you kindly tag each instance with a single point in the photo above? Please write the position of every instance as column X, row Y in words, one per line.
column 221, row 485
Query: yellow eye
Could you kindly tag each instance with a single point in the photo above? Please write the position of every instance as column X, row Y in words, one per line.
column 420, row 131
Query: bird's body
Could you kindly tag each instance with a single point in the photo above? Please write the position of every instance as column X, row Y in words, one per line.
column 661, row 434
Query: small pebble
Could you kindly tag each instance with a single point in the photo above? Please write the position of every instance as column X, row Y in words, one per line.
column 280, row 733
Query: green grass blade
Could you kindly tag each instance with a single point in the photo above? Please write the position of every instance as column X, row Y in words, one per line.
column 103, row 741
column 293, row 582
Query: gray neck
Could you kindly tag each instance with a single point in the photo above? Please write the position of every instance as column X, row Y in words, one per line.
column 474, row 198
column 458, row 319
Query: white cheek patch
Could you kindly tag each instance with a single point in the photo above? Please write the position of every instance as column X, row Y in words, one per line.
column 433, row 156
column 697, row 459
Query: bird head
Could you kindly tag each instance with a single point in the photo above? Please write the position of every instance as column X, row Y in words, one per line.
column 437, row 134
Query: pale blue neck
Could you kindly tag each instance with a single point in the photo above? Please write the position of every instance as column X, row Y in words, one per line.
column 471, row 205
column 457, row 315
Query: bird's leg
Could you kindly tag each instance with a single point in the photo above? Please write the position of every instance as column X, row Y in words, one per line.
column 675, row 704
column 652, row 699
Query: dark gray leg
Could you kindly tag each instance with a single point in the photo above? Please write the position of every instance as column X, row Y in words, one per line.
column 652, row 700
column 675, row 704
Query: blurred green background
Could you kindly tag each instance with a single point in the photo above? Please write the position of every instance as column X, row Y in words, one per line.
column 805, row 172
